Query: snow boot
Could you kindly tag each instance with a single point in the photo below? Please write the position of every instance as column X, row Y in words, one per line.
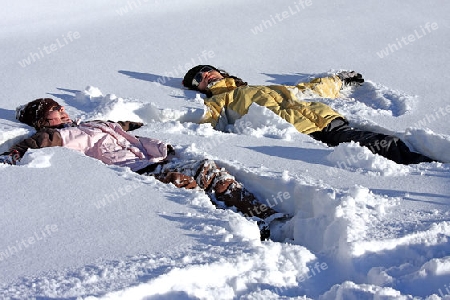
column 264, row 230
column 272, row 223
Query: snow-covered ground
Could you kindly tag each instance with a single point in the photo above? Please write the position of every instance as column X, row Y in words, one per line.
column 363, row 227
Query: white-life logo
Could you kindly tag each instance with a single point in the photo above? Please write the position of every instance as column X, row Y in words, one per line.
column 46, row 50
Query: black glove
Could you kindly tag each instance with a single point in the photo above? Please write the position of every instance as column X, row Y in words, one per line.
column 170, row 150
column 135, row 125
column 350, row 78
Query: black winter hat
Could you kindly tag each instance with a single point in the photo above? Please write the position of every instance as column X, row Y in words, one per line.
column 187, row 80
column 33, row 113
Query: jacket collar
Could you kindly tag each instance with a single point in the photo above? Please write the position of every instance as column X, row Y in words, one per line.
column 74, row 123
column 223, row 86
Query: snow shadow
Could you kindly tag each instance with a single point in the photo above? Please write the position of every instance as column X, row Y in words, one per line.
column 180, row 295
column 377, row 96
column 314, row 156
column 165, row 80
column 195, row 226
column 7, row 114
column 66, row 97
column 414, row 196
column 69, row 97
column 402, row 266
column 291, row 79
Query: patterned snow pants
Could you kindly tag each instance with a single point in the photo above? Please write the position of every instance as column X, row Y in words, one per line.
column 222, row 188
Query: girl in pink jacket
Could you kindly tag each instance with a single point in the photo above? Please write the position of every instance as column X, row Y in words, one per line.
column 112, row 143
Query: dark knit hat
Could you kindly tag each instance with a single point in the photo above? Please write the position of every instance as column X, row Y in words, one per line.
column 187, row 80
column 33, row 113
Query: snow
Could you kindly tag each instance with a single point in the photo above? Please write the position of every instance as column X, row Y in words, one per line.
column 362, row 227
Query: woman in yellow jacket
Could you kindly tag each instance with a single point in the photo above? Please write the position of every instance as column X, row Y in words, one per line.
column 229, row 98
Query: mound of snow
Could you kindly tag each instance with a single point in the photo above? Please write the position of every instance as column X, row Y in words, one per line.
column 429, row 143
column 351, row 156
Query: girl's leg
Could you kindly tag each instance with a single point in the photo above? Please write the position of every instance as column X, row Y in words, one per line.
column 220, row 186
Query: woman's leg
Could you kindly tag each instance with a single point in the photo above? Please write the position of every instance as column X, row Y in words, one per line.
column 388, row 146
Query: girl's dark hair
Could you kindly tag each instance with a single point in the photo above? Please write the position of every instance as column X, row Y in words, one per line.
column 33, row 113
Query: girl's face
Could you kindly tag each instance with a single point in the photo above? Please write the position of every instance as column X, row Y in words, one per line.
column 56, row 116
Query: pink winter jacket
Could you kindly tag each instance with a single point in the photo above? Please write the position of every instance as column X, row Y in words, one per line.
column 106, row 141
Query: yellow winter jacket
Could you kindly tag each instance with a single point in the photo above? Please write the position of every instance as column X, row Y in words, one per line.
column 228, row 103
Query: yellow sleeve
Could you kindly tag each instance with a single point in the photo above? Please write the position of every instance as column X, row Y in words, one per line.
column 327, row 87
column 214, row 107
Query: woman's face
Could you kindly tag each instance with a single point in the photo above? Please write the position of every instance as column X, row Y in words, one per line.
column 207, row 78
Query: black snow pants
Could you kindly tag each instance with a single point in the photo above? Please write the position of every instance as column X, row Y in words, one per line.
column 391, row 147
